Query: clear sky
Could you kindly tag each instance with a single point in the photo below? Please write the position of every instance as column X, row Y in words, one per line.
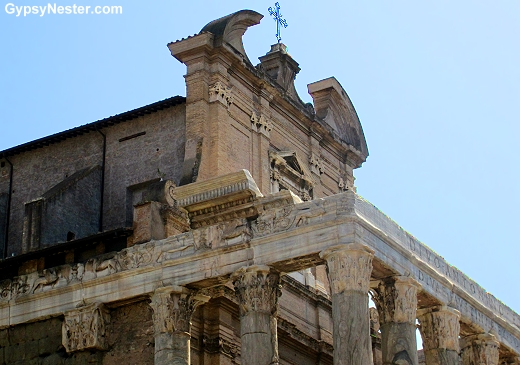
column 436, row 85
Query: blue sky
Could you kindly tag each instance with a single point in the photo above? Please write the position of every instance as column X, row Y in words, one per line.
column 435, row 84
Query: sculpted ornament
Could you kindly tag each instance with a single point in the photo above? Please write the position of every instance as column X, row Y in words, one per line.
column 60, row 276
column 273, row 220
column 396, row 299
column 85, row 328
column 219, row 92
column 261, row 124
column 257, row 289
column 349, row 267
column 479, row 349
column 316, row 164
column 439, row 327
column 173, row 308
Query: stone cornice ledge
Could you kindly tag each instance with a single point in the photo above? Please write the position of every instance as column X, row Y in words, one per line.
column 286, row 235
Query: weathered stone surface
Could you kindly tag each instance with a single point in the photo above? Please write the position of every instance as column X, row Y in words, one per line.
column 479, row 349
column 172, row 311
column 298, row 233
column 396, row 301
column 85, row 328
column 349, row 268
column 440, row 329
column 258, row 289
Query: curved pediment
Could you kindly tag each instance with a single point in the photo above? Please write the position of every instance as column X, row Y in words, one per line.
column 333, row 106
column 231, row 28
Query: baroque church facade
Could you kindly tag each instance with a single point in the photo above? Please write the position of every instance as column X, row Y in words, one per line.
column 223, row 228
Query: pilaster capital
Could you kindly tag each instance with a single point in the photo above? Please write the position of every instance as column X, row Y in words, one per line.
column 85, row 328
column 479, row 349
column 396, row 299
column 349, row 267
column 439, row 327
column 173, row 307
column 257, row 288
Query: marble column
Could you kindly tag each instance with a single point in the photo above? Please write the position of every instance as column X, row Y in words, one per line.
column 258, row 289
column 440, row 328
column 172, row 311
column 349, row 267
column 479, row 349
column 396, row 301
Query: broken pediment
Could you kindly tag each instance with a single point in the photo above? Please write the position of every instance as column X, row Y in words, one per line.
column 334, row 108
column 230, row 29
column 289, row 172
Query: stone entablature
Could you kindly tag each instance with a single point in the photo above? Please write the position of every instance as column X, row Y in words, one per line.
column 297, row 235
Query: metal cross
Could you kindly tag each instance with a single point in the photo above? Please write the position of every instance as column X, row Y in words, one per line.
column 278, row 18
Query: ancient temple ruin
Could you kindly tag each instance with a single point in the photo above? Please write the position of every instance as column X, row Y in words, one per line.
column 224, row 228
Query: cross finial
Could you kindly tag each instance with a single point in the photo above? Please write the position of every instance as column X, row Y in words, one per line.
column 278, row 18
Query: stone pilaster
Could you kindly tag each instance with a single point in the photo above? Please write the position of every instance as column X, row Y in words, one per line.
column 440, row 328
column 349, row 267
column 257, row 289
column 172, row 311
column 479, row 349
column 84, row 328
column 396, row 301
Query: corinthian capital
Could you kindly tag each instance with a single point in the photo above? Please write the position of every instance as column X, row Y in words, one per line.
column 396, row 299
column 439, row 327
column 84, row 328
column 173, row 308
column 479, row 349
column 257, row 289
column 349, row 267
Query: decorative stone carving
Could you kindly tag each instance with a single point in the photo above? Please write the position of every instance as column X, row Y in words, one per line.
column 261, row 124
column 396, row 299
column 479, row 349
column 349, row 267
column 274, row 220
column 173, row 308
column 85, row 328
column 440, row 328
column 257, row 289
column 229, row 233
column 316, row 164
column 221, row 93
column 172, row 311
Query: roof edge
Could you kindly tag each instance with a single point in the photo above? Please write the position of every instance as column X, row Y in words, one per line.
column 99, row 124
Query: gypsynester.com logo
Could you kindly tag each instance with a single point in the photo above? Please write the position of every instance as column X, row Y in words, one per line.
column 55, row 9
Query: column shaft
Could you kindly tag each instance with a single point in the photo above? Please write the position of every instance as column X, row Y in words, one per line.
column 172, row 311
column 440, row 328
column 258, row 289
column 349, row 267
column 396, row 301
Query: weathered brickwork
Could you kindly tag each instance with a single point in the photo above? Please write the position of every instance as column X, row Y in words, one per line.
column 156, row 154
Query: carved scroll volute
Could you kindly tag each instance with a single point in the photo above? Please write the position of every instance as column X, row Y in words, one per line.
column 173, row 308
column 439, row 327
column 479, row 349
column 85, row 328
column 258, row 289
column 396, row 299
column 349, row 267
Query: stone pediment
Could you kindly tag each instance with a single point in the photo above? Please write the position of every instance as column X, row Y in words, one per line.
column 334, row 108
column 230, row 29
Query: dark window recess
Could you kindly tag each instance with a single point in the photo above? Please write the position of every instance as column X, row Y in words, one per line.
column 132, row 136
column 2, row 164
